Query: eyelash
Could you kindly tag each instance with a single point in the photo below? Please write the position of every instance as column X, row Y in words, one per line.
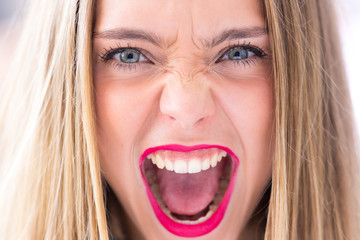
column 259, row 53
column 111, row 52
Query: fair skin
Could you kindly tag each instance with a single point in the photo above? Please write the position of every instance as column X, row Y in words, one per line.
column 183, row 86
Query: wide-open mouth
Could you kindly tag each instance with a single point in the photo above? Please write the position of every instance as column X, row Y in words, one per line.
column 188, row 187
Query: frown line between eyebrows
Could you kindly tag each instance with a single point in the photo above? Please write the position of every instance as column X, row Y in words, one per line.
column 132, row 34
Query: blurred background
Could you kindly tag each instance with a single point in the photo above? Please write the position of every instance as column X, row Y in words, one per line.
column 348, row 12
column 349, row 17
column 10, row 19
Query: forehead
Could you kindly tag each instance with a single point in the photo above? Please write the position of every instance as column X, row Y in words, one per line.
column 178, row 18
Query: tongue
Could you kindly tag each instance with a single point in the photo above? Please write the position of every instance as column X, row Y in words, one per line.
column 189, row 194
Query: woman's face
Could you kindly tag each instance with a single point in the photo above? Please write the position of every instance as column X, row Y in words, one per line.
column 184, row 107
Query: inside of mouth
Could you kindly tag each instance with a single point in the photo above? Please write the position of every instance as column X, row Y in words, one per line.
column 189, row 198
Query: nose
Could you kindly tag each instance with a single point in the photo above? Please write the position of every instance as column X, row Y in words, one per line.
column 187, row 103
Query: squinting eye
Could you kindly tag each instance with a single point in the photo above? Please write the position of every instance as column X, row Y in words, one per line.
column 129, row 55
column 237, row 53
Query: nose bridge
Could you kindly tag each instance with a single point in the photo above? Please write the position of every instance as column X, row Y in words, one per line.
column 187, row 99
column 185, row 69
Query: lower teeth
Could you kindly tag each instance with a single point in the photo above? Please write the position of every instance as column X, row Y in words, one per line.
column 155, row 188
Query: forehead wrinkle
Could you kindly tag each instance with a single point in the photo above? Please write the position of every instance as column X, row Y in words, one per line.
column 172, row 43
column 198, row 43
column 193, row 36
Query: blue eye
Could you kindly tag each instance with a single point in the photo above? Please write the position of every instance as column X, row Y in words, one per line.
column 129, row 55
column 240, row 53
column 237, row 53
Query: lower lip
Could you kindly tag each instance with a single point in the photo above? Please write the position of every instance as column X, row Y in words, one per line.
column 184, row 230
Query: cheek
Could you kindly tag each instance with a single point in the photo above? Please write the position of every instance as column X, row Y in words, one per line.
column 252, row 112
column 256, row 127
column 254, row 116
column 117, row 122
column 118, row 113
column 111, row 115
column 111, row 129
column 249, row 105
column 122, row 109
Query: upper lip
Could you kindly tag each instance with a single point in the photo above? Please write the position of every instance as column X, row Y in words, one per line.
column 183, row 148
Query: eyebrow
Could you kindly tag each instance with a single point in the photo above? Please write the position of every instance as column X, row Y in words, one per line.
column 235, row 33
column 129, row 34
column 229, row 34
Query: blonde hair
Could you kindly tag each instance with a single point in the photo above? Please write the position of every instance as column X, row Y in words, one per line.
column 51, row 185
column 314, row 186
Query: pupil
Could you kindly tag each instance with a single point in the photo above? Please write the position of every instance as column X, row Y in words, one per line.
column 128, row 56
column 238, row 54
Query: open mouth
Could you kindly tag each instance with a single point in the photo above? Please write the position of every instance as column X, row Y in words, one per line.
column 189, row 188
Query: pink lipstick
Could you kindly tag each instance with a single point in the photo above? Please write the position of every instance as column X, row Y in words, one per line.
column 189, row 187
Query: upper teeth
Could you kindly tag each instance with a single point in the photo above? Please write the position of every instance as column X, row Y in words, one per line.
column 193, row 165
